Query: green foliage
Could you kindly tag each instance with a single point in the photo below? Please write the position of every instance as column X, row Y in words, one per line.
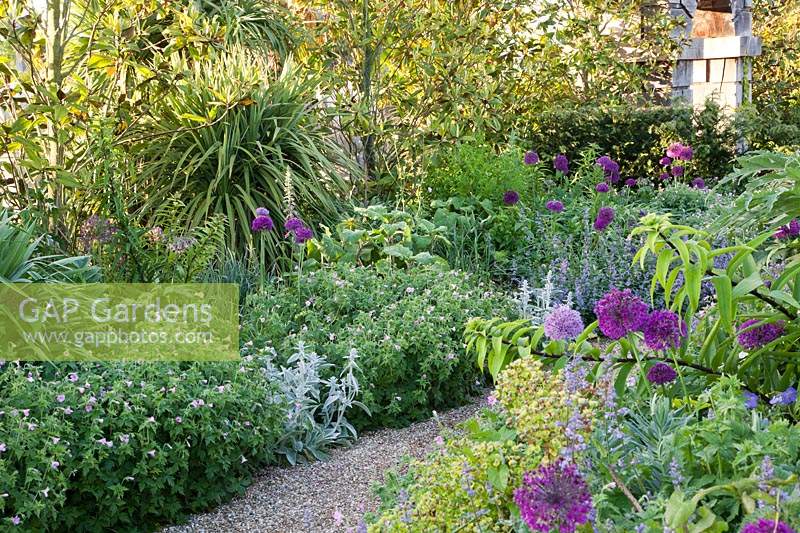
column 637, row 137
column 131, row 445
column 381, row 237
column 232, row 138
column 422, row 74
column 707, row 463
column 692, row 206
column 406, row 326
column 741, row 294
column 776, row 82
column 21, row 260
column 478, row 172
column 165, row 252
column 468, row 484
column 771, row 195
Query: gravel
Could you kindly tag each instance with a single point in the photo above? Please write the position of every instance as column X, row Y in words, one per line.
column 327, row 496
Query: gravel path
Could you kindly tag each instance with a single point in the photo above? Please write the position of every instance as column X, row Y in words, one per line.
column 326, row 496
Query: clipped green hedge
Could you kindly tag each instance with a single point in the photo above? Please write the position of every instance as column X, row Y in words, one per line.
column 638, row 137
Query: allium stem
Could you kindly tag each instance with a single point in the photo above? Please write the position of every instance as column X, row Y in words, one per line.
column 624, row 488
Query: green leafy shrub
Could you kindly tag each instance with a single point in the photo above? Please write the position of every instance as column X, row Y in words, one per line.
column 99, row 447
column 690, row 205
column 709, row 462
column 468, row 484
column 478, row 171
column 381, row 237
column 406, row 326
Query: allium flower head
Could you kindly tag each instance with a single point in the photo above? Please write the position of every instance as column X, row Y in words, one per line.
column 554, row 497
column 293, row 224
column 531, row 157
column 563, row 323
column 665, row 161
column 605, row 216
column 630, row 182
column 561, row 163
column 510, row 197
column 677, row 171
column 753, row 336
column 663, row 330
column 262, row 212
column 699, row 183
column 792, row 229
column 601, row 187
column 787, row 397
column 680, row 151
column 610, row 168
column 555, row 206
column 661, row 374
column 619, row 313
column 764, row 525
column 664, row 176
column 303, row 234
column 262, row 223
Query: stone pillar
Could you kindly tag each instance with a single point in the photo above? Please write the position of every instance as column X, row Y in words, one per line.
column 716, row 60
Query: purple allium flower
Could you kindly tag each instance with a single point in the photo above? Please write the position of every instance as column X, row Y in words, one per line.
column 699, row 183
column 262, row 212
column 293, row 224
column 563, row 323
column 610, row 168
column 604, row 218
column 665, row 161
column 664, row 176
column 662, row 330
column 510, row 197
column 752, row 336
column 750, row 399
column 677, row 171
column 792, row 229
column 262, row 223
column 787, row 397
column 601, row 187
column 554, row 497
column 561, row 163
column 675, row 150
column 764, row 525
column 630, row 182
column 555, row 206
column 303, row 234
column 686, row 154
column 531, row 157
column 661, row 374
column 619, row 313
